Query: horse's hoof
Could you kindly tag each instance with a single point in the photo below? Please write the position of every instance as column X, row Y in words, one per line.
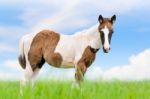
column 75, row 85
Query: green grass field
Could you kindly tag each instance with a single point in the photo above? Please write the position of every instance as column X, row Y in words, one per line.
column 90, row 90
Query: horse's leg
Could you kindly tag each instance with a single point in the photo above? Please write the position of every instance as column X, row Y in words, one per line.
column 29, row 75
column 36, row 66
column 31, row 71
column 80, row 71
column 34, row 75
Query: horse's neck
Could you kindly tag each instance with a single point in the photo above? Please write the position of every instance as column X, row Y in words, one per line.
column 93, row 36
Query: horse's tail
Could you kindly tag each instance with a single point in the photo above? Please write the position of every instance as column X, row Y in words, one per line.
column 21, row 58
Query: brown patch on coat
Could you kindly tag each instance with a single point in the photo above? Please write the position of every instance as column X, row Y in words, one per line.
column 42, row 49
column 88, row 56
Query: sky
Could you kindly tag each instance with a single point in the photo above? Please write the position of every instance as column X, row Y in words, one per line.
column 128, row 58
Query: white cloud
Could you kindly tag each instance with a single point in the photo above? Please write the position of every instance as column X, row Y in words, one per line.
column 61, row 74
column 66, row 14
column 62, row 15
column 6, row 48
column 4, row 75
column 12, row 32
column 137, row 69
column 10, row 70
column 9, row 38
column 94, row 73
column 13, row 64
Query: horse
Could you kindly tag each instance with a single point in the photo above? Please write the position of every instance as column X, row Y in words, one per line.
column 65, row 51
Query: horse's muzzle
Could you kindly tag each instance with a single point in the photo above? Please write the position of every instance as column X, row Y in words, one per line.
column 106, row 50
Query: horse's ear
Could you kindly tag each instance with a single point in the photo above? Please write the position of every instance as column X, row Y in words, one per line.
column 113, row 19
column 100, row 18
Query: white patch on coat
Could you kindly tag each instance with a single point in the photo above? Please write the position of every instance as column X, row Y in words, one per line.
column 71, row 47
column 106, row 42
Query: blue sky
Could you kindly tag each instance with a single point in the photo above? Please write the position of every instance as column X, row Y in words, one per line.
column 130, row 39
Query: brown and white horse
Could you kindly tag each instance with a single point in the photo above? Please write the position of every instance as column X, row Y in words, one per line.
column 65, row 51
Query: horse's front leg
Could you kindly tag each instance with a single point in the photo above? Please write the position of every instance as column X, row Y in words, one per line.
column 80, row 71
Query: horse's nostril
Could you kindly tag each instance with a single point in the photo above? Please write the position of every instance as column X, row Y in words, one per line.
column 106, row 50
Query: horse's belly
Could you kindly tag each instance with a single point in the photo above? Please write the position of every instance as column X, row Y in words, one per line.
column 68, row 60
column 66, row 64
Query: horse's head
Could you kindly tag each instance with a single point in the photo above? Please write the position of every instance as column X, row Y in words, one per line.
column 106, row 30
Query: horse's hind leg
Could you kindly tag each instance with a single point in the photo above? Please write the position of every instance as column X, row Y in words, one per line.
column 31, row 71
column 29, row 78
column 28, row 75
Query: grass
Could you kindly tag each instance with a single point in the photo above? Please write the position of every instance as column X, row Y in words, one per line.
column 54, row 89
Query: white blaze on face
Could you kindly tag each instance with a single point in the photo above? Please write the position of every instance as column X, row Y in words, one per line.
column 106, row 42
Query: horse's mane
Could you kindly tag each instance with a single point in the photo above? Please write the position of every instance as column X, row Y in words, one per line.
column 91, row 29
